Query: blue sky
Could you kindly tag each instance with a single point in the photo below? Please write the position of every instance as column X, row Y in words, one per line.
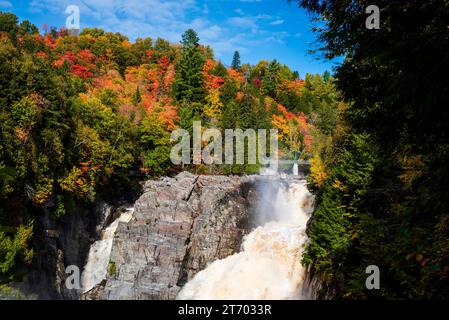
column 259, row 29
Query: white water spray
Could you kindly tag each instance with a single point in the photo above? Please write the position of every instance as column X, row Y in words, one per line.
column 295, row 169
column 96, row 267
column 269, row 265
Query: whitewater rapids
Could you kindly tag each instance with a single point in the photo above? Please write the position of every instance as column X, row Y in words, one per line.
column 269, row 265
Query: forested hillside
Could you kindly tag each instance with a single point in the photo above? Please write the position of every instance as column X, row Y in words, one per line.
column 86, row 116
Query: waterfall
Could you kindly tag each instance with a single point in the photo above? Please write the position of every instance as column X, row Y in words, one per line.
column 96, row 267
column 295, row 169
column 269, row 265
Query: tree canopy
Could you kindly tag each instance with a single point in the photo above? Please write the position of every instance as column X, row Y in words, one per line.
column 86, row 117
column 381, row 179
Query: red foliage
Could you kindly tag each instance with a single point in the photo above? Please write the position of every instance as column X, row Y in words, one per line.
column 106, row 81
column 69, row 56
column 86, row 56
column 153, row 81
column 49, row 42
column 58, row 63
column 80, row 64
column 38, row 38
column 80, row 71
column 164, row 62
column 281, row 108
column 42, row 55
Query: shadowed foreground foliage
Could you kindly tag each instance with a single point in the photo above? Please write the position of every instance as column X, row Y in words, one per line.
column 382, row 185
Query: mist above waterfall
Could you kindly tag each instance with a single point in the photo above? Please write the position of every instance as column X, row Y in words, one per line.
column 278, row 199
column 269, row 265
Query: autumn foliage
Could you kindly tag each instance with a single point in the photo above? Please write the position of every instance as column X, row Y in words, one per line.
column 88, row 116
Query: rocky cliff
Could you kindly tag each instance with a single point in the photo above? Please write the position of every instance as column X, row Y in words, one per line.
column 179, row 225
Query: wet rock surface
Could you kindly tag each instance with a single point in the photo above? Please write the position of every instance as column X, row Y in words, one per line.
column 179, row 225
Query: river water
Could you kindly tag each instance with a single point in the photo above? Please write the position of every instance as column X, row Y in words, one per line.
column 269, row 264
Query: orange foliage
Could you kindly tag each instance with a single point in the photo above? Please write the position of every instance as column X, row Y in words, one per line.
column 169, row 115
column 236, row 75
column 148, row 101
column 295, row 85
column 126, row 44
column 153, row 81
column 211, row 81
column 21, row 134
column 169, row 77
column 291, row 126
column 164, row 62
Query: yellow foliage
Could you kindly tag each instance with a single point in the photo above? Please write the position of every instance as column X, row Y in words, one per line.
column 339, row 185
column 75, row 182
column 214, row 106
column 281, row 123
column 23, row 236
column 413, row 167
column 317, row 171
column 126, row 44
column 44, row 191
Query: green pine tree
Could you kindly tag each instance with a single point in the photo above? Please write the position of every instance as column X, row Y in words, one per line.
column 189, row 84
column 137, row 98
column 236, row 61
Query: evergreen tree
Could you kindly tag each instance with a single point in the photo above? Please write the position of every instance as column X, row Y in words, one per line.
column 295, row 75
column 385, row 199
column 137, row 98
column 272, row 80
column 189, row 83
column 8, row 23
column 190, row 39
column 236, row 61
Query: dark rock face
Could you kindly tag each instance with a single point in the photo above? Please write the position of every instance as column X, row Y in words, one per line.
column 61, row 243
column 179, row 225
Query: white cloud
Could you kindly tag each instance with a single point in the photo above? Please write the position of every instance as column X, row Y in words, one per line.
column 168, row 19
column 243, row 22
column 277, row 22
column 5, row 4
column 135, row 18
